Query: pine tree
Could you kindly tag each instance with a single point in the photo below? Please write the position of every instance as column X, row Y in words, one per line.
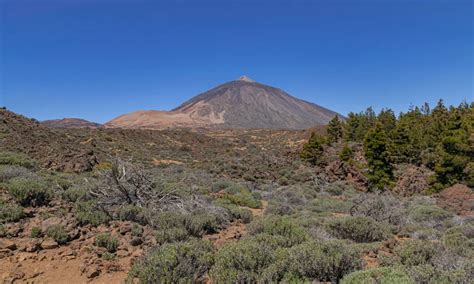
column 376, row 153
column 334, row 130
column 346, row 153
column 388, row 120
column 455, row 153
column 313, row 150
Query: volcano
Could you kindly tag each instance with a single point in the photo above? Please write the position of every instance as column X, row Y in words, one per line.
column 242, row 103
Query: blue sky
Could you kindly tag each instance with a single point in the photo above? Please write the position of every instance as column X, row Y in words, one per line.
column 99, row 59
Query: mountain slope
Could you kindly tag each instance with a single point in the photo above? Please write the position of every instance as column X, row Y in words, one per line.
column 243, row 103
column 70, row 123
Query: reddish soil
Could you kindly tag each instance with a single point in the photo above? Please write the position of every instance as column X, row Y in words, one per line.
column 457, row 198
column 236, row 229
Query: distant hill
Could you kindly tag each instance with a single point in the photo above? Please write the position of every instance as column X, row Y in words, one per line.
column 52, row 148
column 70, row 123
column 242, row 103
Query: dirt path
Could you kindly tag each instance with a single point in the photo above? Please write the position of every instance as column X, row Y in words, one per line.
column 236, row 230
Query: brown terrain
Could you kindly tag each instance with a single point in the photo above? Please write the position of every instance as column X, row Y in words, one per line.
column 198, row 157
column 243, row 103
column 70, row 123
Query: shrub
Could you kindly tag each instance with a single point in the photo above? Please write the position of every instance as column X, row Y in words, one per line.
column 185, row 262
column 359, row 229
column 280, row 226
column 137, row 230
column 326, row 261
column 88, row 213
column 10, row 212
column 171, row 235
column 3, row 231
column 16, row 159
column 382, row 275
column 455, row 240
column 107, row 241
column 429, row 213
column 243, row 214
column 430, row 274
column 74, row 194
column 29, row 192
column 199, row 223
column 243, row 198
column 57, row 233
column 36, row 232
column 329, row 205
column 167, row 219
column 132, row 213
column 415, row 252
column 242, row 262
column 8, row 172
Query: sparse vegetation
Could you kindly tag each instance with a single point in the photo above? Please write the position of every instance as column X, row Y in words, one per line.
column 273, row 208
column 29, row 192
column 58, row 233
column 10, row 212
column 181, row 262
column 107, row 241
column 359, row 229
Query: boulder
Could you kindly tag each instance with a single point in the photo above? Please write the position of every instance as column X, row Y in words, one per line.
column 7, row 244
column 49, row 243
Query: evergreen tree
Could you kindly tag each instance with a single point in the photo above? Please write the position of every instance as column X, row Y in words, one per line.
column 346, row 153
column 388, row 120
column 352, row 124
column 376, row 153
column 334, row 130
column 313, row 149
column 456, row 151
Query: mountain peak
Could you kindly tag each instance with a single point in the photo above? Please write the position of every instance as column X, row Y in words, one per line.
column 235, row 104
column 246, row 79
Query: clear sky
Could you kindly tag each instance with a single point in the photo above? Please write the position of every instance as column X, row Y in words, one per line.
column 99, row 59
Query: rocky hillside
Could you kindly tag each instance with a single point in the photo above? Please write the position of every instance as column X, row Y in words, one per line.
column 53, row 149
column 243, row 103
column 70, row 123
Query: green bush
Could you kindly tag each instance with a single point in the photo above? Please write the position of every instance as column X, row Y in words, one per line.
column 57, row 233
column 243, row 214
column 359, row 229
column 430, row 274
column 29, row 192
column 10, row 212
column 16, row 159
column 8, row 172
column 184, row 262
column 170, row 235
column 329, row 205
column 167, row 219
column 132, row 213
column 326, row 261
column 238, row 194
column 74, row 194
column 137, row 230
column 88, row 213
column 455, row 240
column 291, row 233
column 381, row 275
column 198, row 224
column 428, row 213
column 107, row 241
column 36, row 232
column 3, row 231
column 242, row 262
column 415, row 252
